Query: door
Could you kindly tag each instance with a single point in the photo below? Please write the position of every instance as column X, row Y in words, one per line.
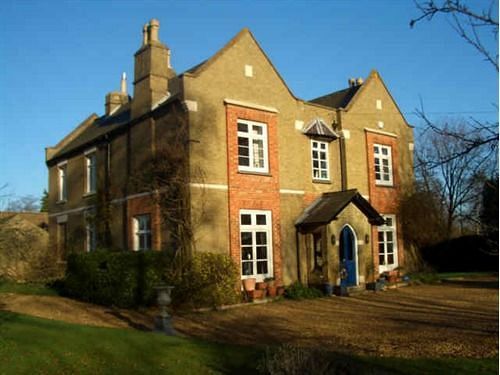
column 347, row 256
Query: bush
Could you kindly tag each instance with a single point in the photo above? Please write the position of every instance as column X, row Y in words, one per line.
column 207, row 280
column 127, row 279
column 123, row 279
column 300, row 291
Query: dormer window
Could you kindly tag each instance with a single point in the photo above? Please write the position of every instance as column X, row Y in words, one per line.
column 321, row 135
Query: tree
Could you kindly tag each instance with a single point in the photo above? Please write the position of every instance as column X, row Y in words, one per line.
column 489, row 213
column 25, row 203
column 474, row 26
column 455, row 177
column 44, row 201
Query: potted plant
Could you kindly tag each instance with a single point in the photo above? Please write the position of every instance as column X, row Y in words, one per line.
column 271, row 287
column 261, row 285
column 249, row 284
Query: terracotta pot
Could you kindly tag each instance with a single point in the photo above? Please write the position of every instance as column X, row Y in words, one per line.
column 249, row 284
column 261, row 286
column 280, row 290
column 257, row 294
column 271, row 291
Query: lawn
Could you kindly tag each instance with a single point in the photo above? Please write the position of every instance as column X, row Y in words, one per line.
column 37, row 289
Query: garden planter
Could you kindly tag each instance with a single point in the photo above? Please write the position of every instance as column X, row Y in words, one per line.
column 249, row 284
column 271, row 291
column 261, row 286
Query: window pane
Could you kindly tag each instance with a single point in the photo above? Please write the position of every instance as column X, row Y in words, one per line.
column 324, row 174
column 246, row 253
column 262, row 267
column 322, row 155
column 389, row 236
column 246, row 219
column 384, row 151
column 323, row 146
column 390, row 247
column 242, row 141
column 243, row 161
column 377, row 176
column 247, row 268
column 390, row 259
column 261, row 252
column 388, row 221
column 380, row 236
column 375, row 150
column 257, row 129
column 386, row 177
column 315, row 164
column 246, row 238
column 381, row 260
column 315, row 154
column 323, row 165
column 243, row 151
column 261, row 238
column 381, row 248
column 242, row 127
column 261, row 219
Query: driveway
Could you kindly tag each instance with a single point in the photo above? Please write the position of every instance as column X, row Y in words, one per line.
column 455, row 318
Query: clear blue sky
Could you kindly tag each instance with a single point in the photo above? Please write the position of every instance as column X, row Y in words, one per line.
column 59, row 59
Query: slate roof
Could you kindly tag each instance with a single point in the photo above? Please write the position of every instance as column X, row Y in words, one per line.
column 327, row 207
column 337, row 99
column 317, row 128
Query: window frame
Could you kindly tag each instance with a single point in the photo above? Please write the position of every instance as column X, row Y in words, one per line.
column 384, row 229
column 251, row 138
column 254, row 228
column 137, row 232
column 62, row 181
column 319, row 169
column 380, row 157
column 91, row 171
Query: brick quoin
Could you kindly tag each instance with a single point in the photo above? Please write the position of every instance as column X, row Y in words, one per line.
column 142, row 206
column 385, row 199
column 249, row 191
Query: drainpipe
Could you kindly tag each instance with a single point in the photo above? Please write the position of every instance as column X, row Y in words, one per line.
column 297, row 244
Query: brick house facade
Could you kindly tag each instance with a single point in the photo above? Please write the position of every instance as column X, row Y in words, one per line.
column 290, row 189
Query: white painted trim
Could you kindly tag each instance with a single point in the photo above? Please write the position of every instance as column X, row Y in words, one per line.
column 61, row 219
column 250, row 105
column 319, row 160
column 381, row 157
column 367, row 197
column 376, row 131
column 209, row 186
column 290, row 191
column 393, row 229
column 133, row 196
column 62, row 163
column 191, row 105
column 346, row 134
column 90, row 151
column 299, row 124
column 251, row 138
column 248, row 70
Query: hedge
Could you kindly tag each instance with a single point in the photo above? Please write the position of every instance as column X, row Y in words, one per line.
column 127, row 279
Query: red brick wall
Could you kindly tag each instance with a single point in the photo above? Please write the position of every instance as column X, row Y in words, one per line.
column 141, row 206
column 251, row 191
column 385, row 199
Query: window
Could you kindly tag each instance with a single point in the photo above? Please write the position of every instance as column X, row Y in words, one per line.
column 91, row 172
column 90, row 231
column 383, row 165
column 319, row 154
column 252, row 146
column 62, row 181
column 387, row 244
column 255, row 242
column 142, row 232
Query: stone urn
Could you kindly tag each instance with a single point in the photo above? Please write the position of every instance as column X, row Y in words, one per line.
column 164, row 320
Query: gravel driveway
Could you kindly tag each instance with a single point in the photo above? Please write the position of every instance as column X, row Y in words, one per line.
column 455, row 318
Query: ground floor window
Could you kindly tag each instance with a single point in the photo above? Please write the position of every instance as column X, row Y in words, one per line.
column 256, row 244
column 387, row 244
column 142, row 232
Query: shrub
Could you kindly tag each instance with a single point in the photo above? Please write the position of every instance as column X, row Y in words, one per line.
column 127, row 279
column 300, row 291
column 123, row 279
column 207, row 279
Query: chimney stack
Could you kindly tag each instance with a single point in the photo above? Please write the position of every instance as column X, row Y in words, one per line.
column 152, row 71
column 353, row 82
column 116, row 99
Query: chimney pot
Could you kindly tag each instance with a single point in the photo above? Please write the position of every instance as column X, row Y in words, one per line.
column 359, row 81
column 154, row 27
column 145, row 35
column 123, row 84
column 352, row 82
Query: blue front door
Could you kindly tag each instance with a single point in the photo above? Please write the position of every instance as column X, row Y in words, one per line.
column 347, row 257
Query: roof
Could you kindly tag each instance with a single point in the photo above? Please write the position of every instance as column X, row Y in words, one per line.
column 98, row 128
column 337, row 99
column 318, row 128
column 327, row 207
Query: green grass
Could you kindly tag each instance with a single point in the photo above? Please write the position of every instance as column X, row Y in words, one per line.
column 31, row 345
column 38, row 289
column 450, row 275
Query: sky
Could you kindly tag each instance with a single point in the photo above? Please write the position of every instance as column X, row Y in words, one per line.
column 58, row 60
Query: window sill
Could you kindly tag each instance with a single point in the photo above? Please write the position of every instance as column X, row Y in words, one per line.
column 392, row 186
column 89, row 194
column 315, row 181
column 264, row 174
column 62, row 201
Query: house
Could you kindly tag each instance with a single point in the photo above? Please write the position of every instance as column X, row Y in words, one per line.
column 291, row 189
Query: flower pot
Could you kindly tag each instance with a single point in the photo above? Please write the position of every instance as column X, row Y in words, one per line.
column 261, row 286
column 271, row 291
column 249, row 284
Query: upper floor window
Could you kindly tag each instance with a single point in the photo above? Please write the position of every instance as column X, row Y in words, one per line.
column 62, row 172
column 319, row 154
column 142, row 232
column 91, row 171
column 255, row 242
column 383, row 165
column 252, row 146
column 387, row 244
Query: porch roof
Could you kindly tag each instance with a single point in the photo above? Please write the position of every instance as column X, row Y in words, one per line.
column 327, row 207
